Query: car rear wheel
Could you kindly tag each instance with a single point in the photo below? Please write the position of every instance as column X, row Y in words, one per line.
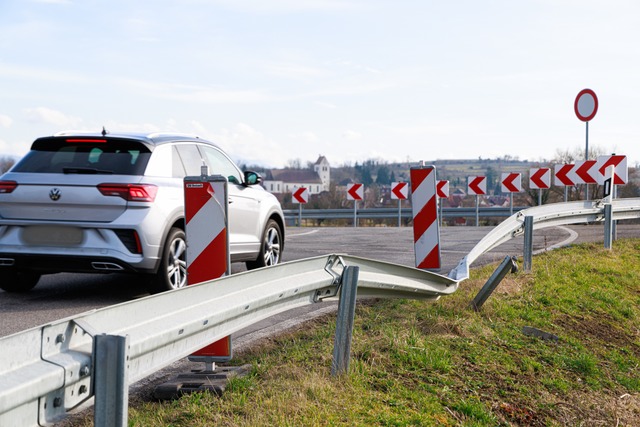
column 172, row 273
column 271, row 249
column 18, row 281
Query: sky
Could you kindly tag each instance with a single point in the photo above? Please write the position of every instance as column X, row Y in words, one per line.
column 282, row 80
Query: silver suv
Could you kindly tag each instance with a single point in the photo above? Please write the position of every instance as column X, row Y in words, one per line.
column 107, row 202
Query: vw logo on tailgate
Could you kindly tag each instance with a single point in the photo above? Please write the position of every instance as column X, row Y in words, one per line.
column 54, row 194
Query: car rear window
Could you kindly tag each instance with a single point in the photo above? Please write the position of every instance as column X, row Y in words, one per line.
column 85, row 156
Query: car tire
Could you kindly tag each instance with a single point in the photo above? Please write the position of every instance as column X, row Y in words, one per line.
column 271, row 247
column 19, row 281
column 172, row 273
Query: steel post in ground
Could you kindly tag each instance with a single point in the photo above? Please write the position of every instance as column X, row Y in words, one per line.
column 614, row 232
column 507, row 265
column 477, row 211
column 608, row 225
column 111, row 381
column 540, row 197
column 528, row 243
column 300, row 215
column 355, row 213
column 399, row 213
column 344, row 323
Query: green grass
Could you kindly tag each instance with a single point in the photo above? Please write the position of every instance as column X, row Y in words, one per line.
column 441, row 364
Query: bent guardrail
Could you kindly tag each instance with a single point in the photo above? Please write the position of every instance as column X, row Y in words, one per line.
column 49, row 370
column 546, row 216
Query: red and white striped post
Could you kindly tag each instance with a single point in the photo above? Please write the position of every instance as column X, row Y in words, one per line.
column 426, row 231
column 205, row 211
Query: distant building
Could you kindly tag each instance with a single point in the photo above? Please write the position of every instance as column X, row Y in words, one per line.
column 286, row 180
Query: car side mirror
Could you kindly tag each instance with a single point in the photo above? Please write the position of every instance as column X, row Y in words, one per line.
column 252, row 178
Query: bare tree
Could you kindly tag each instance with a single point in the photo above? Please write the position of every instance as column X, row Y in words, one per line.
column 6, row 163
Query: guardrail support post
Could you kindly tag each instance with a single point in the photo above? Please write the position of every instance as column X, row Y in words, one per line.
column 528, row 243
column 507, row 265
column 344, row 324
column 608, row 225
column 111, row 383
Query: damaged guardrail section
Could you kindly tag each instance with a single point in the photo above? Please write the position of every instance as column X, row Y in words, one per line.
column 49, row 370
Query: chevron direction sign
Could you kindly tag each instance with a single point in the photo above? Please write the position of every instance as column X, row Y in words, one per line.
column 442, row 189
column 564, row 174
column 355, row 192
column 399, row 190
column 511, row 182
column 585, row 172
column 621, row 172
column 540, row 178
column 477, row 185
column 300, row 195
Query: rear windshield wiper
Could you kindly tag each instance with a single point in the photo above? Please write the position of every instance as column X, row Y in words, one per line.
column 87, row 171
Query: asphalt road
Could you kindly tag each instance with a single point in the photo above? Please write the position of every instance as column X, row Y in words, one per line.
column 64, row 295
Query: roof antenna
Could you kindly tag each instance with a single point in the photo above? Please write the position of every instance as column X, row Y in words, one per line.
column 104, row 131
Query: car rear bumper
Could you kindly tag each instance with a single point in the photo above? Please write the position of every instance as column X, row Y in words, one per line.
column 44, row 264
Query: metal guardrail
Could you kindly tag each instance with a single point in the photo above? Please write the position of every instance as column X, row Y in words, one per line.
column 546, row 216
column 49, row 370
column 377, row 213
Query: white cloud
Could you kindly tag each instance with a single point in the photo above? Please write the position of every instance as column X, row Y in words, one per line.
column 5, row 121
column 307, row 137
column 289, row 6
column 295, row 71
column 201, row 94
column 351, row 135
column 46, row 115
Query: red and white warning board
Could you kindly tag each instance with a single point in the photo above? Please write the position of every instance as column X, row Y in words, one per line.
column 442, row 189
column 300, row 195
column 539, row 178
column 477, row 185
column 426, row 231
column 565, row 174
column 205, row 212
column 355, row 192
column 621, row 172
column 511, row 182
column 399, row 190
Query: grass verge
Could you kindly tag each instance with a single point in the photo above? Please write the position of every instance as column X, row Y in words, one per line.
column 442, row 364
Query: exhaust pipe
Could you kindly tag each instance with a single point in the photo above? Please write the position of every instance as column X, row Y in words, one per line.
column 106, row 266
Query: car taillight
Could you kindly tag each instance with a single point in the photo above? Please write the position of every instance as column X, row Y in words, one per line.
column 130, row 192
column 7, row 186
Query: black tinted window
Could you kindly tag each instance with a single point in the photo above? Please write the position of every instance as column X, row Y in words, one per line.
column 90, row 156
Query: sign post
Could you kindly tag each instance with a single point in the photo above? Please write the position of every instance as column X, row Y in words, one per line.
column 477, row 185
column 442, row 188
column 586, row 107
column 511, row 183
column 540, row 178
column 399, row 191
column 562, row 177
column 355, row 192
column 300, row 196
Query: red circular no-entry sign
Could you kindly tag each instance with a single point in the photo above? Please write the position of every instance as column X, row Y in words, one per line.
column 586, row 105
